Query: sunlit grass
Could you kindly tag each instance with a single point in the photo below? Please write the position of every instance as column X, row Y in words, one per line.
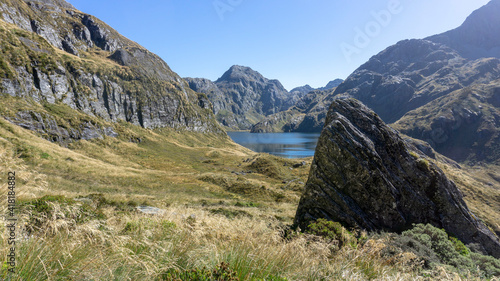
column 211, row 214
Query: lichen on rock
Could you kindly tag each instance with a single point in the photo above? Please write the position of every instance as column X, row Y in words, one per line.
column 365, row 175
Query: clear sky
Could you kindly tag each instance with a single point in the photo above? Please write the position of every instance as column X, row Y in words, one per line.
column 296, row 41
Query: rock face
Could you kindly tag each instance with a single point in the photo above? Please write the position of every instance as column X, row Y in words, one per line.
column 365, row 175
column 306, row 116
column 242, row 96
column 99, row 72
column 47, row 125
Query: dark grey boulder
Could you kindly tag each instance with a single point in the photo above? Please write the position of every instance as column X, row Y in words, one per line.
column 365, row 175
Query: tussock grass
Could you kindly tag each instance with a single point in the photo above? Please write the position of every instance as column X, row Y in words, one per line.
column 143, row 247
column 135, row 246
column 215, row 211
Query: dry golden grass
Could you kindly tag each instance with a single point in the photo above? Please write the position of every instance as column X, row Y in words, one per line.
column 211, row 214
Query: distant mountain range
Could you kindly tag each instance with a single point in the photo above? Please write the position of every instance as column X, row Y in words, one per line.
column 443, row 89
column 438, row 89
column 242, row 97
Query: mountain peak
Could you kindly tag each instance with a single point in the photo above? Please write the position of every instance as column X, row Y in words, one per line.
column 239, row 73
column 478, row 36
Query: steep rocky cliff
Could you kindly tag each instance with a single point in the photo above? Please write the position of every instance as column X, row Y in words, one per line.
column 365, row 175
column 52, row 53
column 242, row 96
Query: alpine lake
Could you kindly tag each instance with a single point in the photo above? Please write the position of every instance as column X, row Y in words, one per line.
column 287, row 145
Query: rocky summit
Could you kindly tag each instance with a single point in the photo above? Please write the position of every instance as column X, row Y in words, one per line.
column 365, row 175
column 242, row 96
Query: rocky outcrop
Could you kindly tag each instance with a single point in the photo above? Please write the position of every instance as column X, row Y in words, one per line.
column 365, row 175
column 48, row 127
column 116, row 80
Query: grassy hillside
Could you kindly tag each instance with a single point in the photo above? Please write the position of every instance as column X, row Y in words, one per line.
column 223, row 208
column 223, row 212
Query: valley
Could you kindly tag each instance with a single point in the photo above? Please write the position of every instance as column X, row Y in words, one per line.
column 403, row 183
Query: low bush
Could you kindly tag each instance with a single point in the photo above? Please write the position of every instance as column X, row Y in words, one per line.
column 332, row 231
column 435, row 247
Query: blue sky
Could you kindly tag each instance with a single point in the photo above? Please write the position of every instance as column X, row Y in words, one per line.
column 295, row 41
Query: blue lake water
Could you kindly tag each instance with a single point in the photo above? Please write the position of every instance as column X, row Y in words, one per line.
column 288, row 145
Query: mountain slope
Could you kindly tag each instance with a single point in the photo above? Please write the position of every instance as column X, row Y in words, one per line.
column 242, row 96
column 413, row 73
column 55, row 54
column 463, row 125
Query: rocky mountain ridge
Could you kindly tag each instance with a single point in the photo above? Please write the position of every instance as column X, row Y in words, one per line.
column 304, row 90
column 477, row 37
column 242, row 97
column 52, row 53
column 413, row 73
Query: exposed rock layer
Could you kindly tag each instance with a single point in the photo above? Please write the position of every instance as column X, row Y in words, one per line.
column 365, row 175
column 242, row 96
column 69, row 57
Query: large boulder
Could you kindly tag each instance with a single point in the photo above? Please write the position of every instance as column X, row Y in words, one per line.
column 365, row 175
